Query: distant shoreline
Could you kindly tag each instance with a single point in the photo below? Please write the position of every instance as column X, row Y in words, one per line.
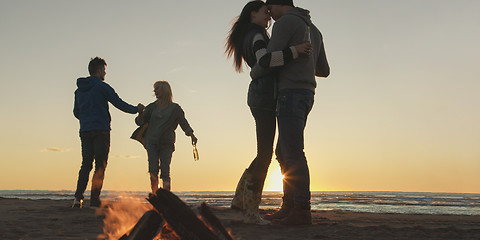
column 366, row 202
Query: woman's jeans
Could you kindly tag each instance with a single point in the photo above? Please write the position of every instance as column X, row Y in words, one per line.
column 265, row 124
column 95, row 146
column 293, row 106
column 159, row 158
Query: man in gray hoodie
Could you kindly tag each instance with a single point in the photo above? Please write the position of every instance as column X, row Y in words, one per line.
column 296, row 86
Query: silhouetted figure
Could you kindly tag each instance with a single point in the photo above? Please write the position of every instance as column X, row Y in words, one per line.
column 162, row 116
column 91, row 109
column 296, row 84
column 247, row 42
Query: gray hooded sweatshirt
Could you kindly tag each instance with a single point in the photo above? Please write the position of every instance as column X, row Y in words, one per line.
column 288, row 31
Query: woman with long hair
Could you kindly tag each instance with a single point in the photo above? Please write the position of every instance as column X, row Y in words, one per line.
column 247, row 42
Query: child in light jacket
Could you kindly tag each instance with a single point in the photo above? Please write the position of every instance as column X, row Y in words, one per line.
column 162, row 116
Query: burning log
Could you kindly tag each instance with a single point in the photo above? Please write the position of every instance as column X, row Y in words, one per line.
column 146, row 228
column 183, row 221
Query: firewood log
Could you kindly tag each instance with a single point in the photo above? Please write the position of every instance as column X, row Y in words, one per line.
column 180, row 217
column 146, row 228
column 213, row 221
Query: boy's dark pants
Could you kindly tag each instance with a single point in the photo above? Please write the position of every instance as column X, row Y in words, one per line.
column 95, row 146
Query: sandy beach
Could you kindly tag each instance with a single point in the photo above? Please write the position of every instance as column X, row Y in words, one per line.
column 54, row 219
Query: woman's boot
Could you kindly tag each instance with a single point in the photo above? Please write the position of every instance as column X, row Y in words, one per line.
column 251, row 200
column 237, row 202
column 154, row 183
column 166, row 184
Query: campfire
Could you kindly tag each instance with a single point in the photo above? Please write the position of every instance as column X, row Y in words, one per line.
column 166, row 217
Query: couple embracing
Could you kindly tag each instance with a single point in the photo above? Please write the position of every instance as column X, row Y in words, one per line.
column 281, row 91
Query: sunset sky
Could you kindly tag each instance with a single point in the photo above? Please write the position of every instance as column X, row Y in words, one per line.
column 399, row 112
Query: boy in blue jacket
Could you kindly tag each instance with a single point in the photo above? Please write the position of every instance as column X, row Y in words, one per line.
column 91, row 109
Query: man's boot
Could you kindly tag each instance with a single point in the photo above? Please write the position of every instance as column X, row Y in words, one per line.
column 281, row 213
column 97, row 184
column 297, row 216
column 95, row 201
column 287, row 204
column 237, row 202
column 251, row 200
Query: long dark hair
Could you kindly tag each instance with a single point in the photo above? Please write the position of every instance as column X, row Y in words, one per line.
column 236, row 35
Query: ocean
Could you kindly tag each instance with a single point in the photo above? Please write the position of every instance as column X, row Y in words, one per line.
column 371, row 202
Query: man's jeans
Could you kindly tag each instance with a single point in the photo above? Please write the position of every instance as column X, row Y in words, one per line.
column 95, row 145
column 293, row 107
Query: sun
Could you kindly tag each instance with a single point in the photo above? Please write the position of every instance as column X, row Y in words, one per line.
column 274, row 180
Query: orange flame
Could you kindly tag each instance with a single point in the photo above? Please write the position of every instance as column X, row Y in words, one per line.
column 121, row 216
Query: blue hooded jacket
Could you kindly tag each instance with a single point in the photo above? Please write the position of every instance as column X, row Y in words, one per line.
column 91, row 104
